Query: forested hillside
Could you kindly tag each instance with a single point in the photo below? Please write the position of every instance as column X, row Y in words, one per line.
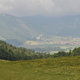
column 9, row 52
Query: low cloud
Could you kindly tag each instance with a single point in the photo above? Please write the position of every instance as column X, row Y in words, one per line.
column 40, row 7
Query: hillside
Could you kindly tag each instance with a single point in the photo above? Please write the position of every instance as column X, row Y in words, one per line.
column 28, row 28
column 9, row 52
column 67, row 68
column 13, row 29
column 12, row 53
column 59, row 26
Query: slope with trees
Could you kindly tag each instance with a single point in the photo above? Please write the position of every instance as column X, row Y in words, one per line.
column 9, row 52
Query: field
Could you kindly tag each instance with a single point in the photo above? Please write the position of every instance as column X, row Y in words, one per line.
column 66, row 68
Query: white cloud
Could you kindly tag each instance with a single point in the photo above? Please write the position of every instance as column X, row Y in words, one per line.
column 40, row 7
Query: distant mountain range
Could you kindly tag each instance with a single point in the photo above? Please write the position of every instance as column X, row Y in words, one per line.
column 13, row 29
column 61, row 26
column 20, row 29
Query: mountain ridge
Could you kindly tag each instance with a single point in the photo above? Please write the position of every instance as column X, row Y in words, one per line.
column 20, row 29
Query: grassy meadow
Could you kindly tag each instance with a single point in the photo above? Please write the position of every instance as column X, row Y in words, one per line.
column 66, row 68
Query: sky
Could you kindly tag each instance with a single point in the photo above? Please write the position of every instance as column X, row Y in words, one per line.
column 40, row 7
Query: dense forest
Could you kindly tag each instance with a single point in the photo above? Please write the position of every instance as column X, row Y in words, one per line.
column 9, row 52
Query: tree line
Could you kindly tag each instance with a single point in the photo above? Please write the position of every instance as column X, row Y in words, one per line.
column 74, row 52
column 9, row 52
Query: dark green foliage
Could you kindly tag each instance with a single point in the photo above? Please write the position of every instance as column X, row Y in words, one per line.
column 60, row 54
column 75, row 52
column 9, row 52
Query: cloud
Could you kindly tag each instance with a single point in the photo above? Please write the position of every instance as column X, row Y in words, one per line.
column 40, row 7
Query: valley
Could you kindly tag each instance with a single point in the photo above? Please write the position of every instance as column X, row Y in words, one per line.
column 39, row 39
column 53, row 44
column 44, row 34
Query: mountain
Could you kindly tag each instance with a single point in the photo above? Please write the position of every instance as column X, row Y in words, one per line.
column 18, row 30
column 59, row 26
column 13, row 29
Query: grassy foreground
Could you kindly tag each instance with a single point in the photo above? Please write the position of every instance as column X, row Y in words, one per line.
column 67, row 68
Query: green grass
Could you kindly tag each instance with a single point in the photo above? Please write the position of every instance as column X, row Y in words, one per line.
column 66, row 68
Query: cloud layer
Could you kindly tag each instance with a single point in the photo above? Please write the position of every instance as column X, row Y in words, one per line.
column 40, row 7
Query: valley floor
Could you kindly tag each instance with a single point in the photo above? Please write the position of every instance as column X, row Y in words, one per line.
column 66, row 68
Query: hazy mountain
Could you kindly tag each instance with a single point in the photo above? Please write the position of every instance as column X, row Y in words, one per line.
column 13, row 29
column 19, row 29
column 61, row 26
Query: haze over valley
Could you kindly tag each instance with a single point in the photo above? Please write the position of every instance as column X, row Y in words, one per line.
column 42, row 33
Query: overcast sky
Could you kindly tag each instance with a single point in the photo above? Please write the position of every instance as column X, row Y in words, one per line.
column 40, row 7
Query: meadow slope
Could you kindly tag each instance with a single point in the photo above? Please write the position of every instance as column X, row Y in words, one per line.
column 66, row 68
